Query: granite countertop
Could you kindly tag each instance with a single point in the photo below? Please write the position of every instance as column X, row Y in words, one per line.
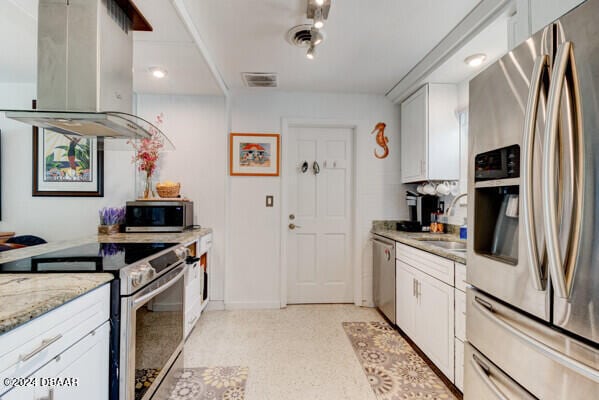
column 415, row 239
column 175, row 237
column 24, row 297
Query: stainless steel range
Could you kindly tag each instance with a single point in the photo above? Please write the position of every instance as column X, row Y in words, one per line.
column 533, row 314
column 147, row 310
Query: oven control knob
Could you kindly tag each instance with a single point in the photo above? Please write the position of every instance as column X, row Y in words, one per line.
column 136, row 278
column 181, row 253
column 146, row 271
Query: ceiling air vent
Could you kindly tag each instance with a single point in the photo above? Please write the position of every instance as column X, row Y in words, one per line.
column 300, row 35
column 260, row 79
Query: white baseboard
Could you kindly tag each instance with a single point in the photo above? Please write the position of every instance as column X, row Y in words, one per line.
column 217, row 305
column 252, row 305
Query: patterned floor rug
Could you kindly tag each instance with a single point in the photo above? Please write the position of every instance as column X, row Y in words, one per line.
column 395, row 371
column 213, row 383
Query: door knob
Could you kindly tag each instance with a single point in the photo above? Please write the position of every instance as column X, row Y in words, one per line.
column 292, row 226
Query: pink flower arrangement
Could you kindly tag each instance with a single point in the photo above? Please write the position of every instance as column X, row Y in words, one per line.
column 147, row 150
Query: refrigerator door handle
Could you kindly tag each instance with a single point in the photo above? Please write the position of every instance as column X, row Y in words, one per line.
column 484, row 372
column 541, row 65
column 561, row 283
column 487, row 310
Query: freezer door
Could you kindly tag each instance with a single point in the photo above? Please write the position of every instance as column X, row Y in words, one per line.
column 574, row 253
column 483, row 380
column 542, row 360
column 508, row 107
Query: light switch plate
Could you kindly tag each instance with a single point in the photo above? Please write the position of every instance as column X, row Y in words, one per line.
column 270, row 201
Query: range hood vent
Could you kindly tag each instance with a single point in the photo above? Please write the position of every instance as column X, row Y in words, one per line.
column 85, row 69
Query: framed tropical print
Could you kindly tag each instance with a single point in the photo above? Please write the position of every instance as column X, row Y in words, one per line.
column 254, row 154
column 67, row 165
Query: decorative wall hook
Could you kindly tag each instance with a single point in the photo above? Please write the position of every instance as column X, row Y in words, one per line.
column 304, row 167
column 316, row 168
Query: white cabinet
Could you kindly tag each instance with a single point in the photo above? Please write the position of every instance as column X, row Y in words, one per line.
column 425, row 313
column 81, row 372
column 430, row 139
column 459, row 364
column 71, row 341
column 406, row 305
column 196, row 281
column 543, row 12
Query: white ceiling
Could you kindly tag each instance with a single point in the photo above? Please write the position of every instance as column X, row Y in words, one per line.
column 491, row 41
column 370, row 45
column 18, row 19
column 169, row 46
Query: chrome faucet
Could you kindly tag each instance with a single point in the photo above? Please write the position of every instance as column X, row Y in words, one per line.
column 453, row 203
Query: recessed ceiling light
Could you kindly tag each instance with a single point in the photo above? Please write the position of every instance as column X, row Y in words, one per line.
column 475, row 60
column 319, row 3
column 158, row 72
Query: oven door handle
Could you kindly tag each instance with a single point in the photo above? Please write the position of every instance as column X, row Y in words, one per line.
column 144, row 298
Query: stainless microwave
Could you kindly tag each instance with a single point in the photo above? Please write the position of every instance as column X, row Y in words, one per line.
column 158, row 216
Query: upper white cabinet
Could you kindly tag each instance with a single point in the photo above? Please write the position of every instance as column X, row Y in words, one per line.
column 430, row 137
column 543, row 12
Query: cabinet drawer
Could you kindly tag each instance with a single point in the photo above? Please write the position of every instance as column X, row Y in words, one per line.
column 435, row 266
column 459, row 364
column 460, row 315
column 28, row 347
column 460, row 277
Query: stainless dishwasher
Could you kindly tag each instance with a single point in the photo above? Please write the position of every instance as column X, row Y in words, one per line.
column 383, row 263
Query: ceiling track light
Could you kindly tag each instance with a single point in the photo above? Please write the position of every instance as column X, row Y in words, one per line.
column 318, row 19
column 319, row 3
column 310, row 53
column 317, row 36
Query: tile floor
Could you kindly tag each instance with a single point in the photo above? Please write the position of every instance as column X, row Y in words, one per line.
column 297, row 353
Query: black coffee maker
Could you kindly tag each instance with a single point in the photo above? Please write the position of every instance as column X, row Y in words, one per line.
column 420, row 208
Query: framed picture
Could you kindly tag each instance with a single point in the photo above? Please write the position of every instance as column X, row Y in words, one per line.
column 254, row 154
column 67, row 165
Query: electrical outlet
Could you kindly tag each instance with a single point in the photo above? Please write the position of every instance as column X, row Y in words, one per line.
column 270, row 201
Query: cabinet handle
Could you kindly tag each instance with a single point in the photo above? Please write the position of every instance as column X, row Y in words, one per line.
column 44, row 345
column 50, row 395
column 413, row 287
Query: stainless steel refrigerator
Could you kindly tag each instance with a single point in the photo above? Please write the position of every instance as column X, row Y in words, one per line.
column 533, row 187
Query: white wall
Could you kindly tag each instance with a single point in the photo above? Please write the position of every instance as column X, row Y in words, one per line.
column 253, row 265
column 197, row 127
column 51, row 218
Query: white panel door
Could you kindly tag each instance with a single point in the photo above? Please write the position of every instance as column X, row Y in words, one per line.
column 319, row 262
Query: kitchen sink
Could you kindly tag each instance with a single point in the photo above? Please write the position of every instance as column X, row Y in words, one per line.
column 452, row 246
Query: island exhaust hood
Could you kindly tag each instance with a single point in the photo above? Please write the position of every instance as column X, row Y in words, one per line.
column 85, row 69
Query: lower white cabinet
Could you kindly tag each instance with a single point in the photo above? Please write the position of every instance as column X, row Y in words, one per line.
column 459, row 364
column 425, row 312
column 81, row 372
column 61, row 355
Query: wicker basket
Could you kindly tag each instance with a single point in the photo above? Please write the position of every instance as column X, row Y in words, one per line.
column 168, row 191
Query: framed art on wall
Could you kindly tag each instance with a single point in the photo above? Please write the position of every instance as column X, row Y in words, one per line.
column 67, row 165
column 254, row 154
